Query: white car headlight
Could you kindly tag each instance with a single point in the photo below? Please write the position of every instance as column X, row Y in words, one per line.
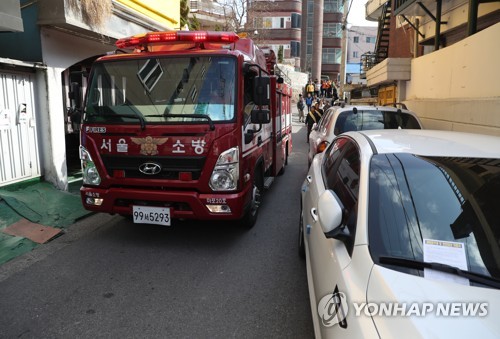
column 90, row 174
column 226, row 172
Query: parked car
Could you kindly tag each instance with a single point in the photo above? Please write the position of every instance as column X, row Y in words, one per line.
column 340, row 119
column 401, row 234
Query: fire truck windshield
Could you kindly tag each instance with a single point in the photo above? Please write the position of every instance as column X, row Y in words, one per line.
column 162, row 90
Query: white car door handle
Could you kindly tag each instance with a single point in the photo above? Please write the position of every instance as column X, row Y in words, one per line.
column 314, row 214
column 309, row 179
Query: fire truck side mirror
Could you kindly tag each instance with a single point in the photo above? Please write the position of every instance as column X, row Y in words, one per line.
column 261, row 91
column 260, row 116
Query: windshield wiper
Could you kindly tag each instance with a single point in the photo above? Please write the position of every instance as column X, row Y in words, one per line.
column 138, row 117
column 137, row 114
column 200, row 116
column 110, row 114
column 420, row 265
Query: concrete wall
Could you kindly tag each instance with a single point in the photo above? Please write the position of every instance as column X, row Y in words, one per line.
column 57, row 57
column 298, row 80
column 458, row 87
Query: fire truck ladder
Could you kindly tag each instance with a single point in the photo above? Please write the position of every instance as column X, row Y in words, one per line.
column 384, row 24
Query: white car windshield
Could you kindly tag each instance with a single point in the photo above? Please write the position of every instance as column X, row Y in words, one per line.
column 443, row 198
column 162, row 90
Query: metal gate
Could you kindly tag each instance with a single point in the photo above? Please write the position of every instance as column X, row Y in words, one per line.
column 19, row 158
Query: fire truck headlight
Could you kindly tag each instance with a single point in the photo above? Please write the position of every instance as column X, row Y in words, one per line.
column 226, row 173
column 90, row 174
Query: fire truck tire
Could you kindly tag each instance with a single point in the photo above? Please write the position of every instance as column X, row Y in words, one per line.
column 250, row 217
column 282, row 170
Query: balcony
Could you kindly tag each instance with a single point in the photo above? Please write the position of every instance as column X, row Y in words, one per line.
column 68, row 15
column 373, row 9
column 389, row 70
column 285, row 34
column 210, row 14
column 414, row 7
column 276, row 6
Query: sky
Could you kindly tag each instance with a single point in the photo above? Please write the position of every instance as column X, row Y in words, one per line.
column 356, row 15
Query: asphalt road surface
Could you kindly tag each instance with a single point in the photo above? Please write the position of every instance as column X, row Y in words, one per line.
column 109, row 278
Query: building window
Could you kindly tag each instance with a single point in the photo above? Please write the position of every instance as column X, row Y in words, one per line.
column 294, row 49
column 370, row 39
column 331, row 56
column 309, row 49
column 355, row 54
column 309, row 34
column 296, row 20
column 355, row 39
column 332, row 30
column 333, row 6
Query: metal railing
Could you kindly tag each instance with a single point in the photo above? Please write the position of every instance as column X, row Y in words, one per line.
column 210, row 7
column 368, row 60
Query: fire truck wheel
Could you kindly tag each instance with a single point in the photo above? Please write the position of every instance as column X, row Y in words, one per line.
column 282, row 170
column 250, row 217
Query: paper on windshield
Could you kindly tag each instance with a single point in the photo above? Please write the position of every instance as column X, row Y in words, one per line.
column 445, row 252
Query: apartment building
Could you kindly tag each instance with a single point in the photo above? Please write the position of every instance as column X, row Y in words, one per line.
column 440, row 59
column 276, row 25
column 321, row 37
column 360, row 41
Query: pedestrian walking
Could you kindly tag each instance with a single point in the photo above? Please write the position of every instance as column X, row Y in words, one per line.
column 300, row 106
column 310, row 88
column 317, row 88
column 324, row 88
column 309, row 102
column 311, row 119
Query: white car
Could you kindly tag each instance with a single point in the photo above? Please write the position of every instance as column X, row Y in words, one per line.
column 340, row 119
column 401, row 234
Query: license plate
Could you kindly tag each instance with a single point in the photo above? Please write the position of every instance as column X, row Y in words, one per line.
column 151, row 215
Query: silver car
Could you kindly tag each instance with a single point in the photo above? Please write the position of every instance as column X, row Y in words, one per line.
column 338, row 119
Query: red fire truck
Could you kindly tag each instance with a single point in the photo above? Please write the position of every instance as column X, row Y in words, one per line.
column 183, row 125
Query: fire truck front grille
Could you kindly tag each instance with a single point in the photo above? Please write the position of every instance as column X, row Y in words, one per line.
column 169, row 167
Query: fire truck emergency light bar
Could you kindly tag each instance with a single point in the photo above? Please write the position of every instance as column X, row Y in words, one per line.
column 176, row 36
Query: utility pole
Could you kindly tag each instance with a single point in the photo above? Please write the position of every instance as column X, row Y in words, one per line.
column 343, row 47
column 317, row 55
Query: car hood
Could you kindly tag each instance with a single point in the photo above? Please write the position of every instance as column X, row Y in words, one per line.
column 417, row 295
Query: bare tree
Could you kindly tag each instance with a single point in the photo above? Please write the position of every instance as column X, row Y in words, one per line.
column 235, row 12
column 245, row 16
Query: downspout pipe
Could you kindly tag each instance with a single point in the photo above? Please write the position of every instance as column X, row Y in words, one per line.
column 437, row 37
column 472, row 20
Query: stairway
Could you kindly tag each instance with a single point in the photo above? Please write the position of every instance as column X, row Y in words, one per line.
column 384, row 24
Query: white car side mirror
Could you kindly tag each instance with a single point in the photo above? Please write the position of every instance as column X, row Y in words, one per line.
column 329, row 211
